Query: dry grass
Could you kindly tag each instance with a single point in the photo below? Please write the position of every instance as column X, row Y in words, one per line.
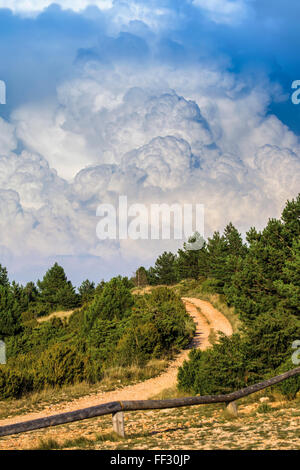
column 228, row 312
column 114, row 379
column 207, row 427
column 62, row 314
column 133, row 374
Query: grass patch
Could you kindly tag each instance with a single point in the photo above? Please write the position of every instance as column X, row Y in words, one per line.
column 212, row 337
column 62, row 314
column 78, row 443
column 133, row 374
column 48, row 444
column 171, row 392
column 109, row 436
column 264, row 408
column 114, row 379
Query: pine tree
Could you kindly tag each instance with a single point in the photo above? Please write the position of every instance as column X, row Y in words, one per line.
column 140, row 279
column 262, row 278
column 235, row 251
column 20, row 296
column 56, row 291
column 291, row 219
column 289, row 286
column 86, row 291
column 99, row 288
column 66, row 297
column 113, row 303
column 203, row 261
column 234, row 241
column 31, row 292
column 10, row 313
column 4, row 282
column 152, row 277
column 165, row 268
column 188, row 259
column 217, row 252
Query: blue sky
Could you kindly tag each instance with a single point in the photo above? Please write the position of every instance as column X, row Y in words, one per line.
column 121, row 97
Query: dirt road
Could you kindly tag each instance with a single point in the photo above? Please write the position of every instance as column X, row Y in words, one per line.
column 206, row 318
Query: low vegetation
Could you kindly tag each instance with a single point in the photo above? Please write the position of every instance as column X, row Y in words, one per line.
column 117, row 334
column 202, row 427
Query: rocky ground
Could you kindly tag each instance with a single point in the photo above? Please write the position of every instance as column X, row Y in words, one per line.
column 271, row 425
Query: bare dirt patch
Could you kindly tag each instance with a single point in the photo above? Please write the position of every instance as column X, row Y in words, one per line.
column 206, row 318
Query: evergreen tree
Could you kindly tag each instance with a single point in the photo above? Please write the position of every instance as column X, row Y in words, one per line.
column 203, row 261
column 289, row 286
column 66, row 297
column 188, row 259
column 165, row 268
column 10, row 313
column 217, row 252
column 99, row 288
column 56, row 291
column 4, row 282
column 291, row 220
column 86, row 291
column 31, row 292
column 140, row 279
column 234, row 241
column 269, row 339
column 113, row 303
column 152, row 277
column 235, row 251
column 262, row 276
column 20, row 296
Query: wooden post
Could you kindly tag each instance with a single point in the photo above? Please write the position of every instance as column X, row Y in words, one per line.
column 232, row 408
column 118, row 408
column 118, row 423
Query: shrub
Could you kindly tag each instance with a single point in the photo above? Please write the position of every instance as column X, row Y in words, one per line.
column 10, row 313
column 138, row 345
column 290, row 387
column 220, row 369
column 114, row 302
column 14, row 383
column 61, row 364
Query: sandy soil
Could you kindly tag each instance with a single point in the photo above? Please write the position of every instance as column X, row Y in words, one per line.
column 205, row 316
column 63, row 314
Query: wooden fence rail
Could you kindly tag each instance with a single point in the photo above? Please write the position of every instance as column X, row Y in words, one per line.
column 117, row 408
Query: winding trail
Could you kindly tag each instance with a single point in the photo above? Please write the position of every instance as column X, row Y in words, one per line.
column 206, row 319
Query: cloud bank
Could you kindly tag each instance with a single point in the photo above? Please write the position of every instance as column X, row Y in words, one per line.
column 138, row 104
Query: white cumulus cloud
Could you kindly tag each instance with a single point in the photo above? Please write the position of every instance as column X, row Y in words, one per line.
column 224, row 11
column 38, row 5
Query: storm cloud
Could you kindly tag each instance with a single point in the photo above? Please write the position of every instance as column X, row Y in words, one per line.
column 159, row 101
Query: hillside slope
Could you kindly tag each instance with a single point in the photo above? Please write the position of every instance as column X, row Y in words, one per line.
column 207, row 320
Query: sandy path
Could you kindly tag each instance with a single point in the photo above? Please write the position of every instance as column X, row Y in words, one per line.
column 215, row 319
column 205, row 319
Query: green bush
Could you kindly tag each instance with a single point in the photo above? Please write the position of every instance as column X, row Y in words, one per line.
column 220, row 369
column 114, row 302
column 14, row 383
column 58, row 352
column 59, row 365
column 290, row 387
column 138, row 345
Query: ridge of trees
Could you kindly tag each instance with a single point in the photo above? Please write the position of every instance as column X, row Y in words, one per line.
column 258, row 276
column 261, row 279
